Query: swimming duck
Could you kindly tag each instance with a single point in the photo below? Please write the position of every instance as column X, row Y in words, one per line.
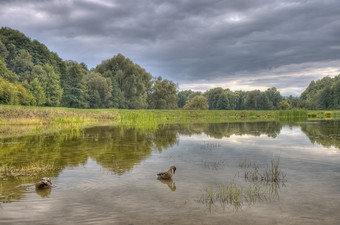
column 44, row 182
column 167, row 175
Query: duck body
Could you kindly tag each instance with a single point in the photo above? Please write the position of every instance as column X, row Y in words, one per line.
column 44, row 182
column 168, row 174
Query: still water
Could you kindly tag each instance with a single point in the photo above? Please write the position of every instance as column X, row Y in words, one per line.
column 107, row 175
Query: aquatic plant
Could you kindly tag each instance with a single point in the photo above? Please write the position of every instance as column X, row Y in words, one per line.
column 31, row 169
column 272, row 173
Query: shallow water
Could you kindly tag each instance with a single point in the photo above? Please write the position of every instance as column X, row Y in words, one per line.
column 107, row 175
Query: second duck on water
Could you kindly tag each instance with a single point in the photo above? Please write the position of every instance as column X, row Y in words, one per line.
column 167, row 175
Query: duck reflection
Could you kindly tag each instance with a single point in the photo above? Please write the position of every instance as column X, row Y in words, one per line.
column 43, row 193
column 170, row 183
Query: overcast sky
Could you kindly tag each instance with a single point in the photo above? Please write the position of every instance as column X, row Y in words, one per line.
column 199, row 44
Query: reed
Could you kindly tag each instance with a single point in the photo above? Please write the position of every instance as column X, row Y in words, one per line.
column 271, row 174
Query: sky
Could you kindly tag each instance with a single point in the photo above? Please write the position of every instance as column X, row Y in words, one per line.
column 199, row 44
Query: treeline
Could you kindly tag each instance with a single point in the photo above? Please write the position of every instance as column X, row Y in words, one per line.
column 30, row 74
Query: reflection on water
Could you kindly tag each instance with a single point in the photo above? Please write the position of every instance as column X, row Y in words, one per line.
column 170, row 183
column 106, row 175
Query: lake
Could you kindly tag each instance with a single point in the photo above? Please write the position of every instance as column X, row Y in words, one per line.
column 107, row 175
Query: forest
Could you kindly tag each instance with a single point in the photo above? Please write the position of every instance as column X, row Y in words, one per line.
column 32, row 75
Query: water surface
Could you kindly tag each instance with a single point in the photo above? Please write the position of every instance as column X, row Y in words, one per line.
column 107, row 175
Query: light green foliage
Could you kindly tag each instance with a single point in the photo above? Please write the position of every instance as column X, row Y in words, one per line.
column 163, row 95
column 37, row 91
column 284, row 105
column 198, row 102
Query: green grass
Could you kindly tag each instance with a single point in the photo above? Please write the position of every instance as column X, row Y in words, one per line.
column 54, row 119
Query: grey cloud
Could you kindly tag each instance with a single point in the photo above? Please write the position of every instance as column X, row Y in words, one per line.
column 187, row 40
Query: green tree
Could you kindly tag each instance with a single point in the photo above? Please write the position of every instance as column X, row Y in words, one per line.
column 197, row 103
column 74, row 87
column 22, row 63
column 99, row 90
column 213, row 95
column 274, row 96
column 53, row 90
column 222, row 102
column 133, row 81
column 163, row 94
column 3, row 51
column 37, row 91
column 183, row 97
column 284, row 105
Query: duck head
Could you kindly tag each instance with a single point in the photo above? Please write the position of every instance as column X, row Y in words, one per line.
column 173, row 169
column 44, row 182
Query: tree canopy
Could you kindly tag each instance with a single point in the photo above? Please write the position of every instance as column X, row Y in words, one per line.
column 31, row 74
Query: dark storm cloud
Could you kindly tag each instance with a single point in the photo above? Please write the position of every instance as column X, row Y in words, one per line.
column 191, row 41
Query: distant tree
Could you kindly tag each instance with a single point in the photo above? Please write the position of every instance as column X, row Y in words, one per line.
column 213, row 95
column 22, row 63
column 284, row 105
column 197, row 103
column 163, row 94
column 37, row 91
column 222, row 102
column 53, row 91
column 133, row 81
column 6, row 73
column 99, row 90
column 274, row 97
column 3, row 51
column 74, row 87
column 256, row 100
column 183, row 97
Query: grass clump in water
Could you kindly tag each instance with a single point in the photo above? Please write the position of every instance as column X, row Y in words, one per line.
column 28, row 170
column 272, row 174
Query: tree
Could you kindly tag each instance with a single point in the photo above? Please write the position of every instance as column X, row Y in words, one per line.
column 3, row 51
column 222, row 102
column 99, row 90
column 197, row 103
column 22, row 63
column 53, row 91
column 284, row 105
column 274, row 96
column 74, row 87
column 212, row 95
column 183, row 97
column 37, row 91
column 133, row 81
column 163, row 94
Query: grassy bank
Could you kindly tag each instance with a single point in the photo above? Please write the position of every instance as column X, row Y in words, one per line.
column 20, row 119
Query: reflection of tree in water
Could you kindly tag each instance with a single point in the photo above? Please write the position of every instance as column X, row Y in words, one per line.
column 220, row 130
column 325, row 133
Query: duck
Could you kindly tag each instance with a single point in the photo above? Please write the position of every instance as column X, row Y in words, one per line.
column 167, row 175
column 44, row 182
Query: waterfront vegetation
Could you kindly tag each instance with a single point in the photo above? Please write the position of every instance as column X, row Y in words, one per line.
column 26, row 120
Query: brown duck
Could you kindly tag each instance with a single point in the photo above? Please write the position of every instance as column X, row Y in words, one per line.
column 44, row 182
column 167, row 175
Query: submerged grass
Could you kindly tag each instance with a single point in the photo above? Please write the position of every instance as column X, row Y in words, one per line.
column 32, row 169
